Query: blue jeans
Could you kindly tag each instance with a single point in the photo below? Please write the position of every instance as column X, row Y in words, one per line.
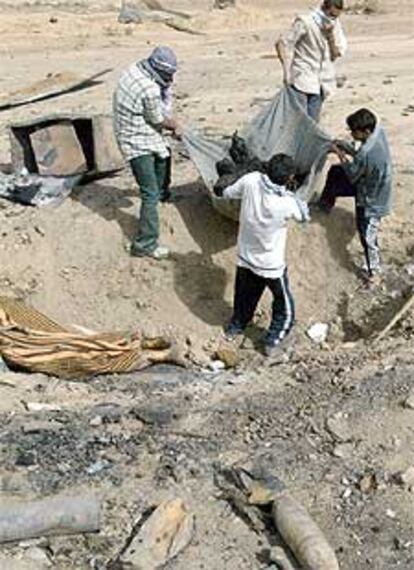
column 312, row 103
column 149, row 172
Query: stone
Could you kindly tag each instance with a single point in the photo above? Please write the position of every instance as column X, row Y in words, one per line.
column 409, row 402
column 38, row 555
column 227, row 352
column 406, row 478
column 39, row 426
column 130, row 14
column 367, row 483
column 96, row 421
column 318, row 332
column 282, row 559
column 164, row 534
column 338, row 427
column 343, row 450
column 216, row 365
column 42, row 407
column 222, row 4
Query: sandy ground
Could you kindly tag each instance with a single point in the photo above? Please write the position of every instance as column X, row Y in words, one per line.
column 71, row 263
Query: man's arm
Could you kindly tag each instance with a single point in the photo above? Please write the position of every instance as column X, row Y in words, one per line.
column 336, row 40
column 294, row 207
column 355, row 168
column 282, row 54
column 234, row 191
column 285, row 45
column 328, row 32
column 153, row 112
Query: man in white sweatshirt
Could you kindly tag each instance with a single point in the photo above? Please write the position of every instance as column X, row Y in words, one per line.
column 266, row 206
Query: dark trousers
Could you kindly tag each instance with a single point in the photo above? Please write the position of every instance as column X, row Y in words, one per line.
column 248, row 290
column 150, row 173
column 338, row 185
column 311, row 102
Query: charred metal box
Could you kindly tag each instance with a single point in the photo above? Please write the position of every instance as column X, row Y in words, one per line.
column 63, row 145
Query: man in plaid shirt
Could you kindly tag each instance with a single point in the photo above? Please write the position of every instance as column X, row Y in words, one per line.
column 140, row 120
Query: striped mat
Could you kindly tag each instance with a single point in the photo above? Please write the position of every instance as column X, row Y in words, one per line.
column 30, row 341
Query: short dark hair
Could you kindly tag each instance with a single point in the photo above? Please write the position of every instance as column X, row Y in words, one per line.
column 339, row 4
column 362, row 120
column 280, row 168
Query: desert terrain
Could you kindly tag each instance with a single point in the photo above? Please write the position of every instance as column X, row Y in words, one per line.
column 332, row 420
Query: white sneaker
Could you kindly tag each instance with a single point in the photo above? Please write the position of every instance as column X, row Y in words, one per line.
column 160, row 252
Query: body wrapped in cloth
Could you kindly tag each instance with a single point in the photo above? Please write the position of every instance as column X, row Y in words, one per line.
column 281, row 127
column 31, row 341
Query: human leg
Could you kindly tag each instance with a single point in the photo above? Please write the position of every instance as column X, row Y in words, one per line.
column 147, row 174
column 248, row 290
column 314, row 105
column 337, row 185
column 368, row 234
column 283, row 311
column 310, row 102
column 166, row 179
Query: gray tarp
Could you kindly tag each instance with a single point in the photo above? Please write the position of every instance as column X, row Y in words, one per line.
column 281, row 127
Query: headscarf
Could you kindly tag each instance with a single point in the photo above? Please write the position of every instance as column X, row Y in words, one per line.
column 161, row 66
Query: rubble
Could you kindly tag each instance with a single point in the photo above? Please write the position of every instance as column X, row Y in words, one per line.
column 318, row 332
column 168, row 530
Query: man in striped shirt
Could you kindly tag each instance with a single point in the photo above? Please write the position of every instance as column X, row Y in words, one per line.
column 140, row 121
column 266, row 206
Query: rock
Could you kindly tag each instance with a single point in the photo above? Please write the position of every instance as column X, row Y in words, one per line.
column 129, row 14
column 39, row 426
column 406, row 477
column 216, row 365
column 409, row 402
column 167, row 531
column 222, row 4
column 338, row 427
column 40, row 407
column 38, row 555
column 343, row 450
column 318, row 332
column 96, row 421
column 227, row 352
column 109, row 412
column 391, row 514
column 367, row 483
column 98, row 467
column 26, row 458
column 282, row 560
column 3, row 366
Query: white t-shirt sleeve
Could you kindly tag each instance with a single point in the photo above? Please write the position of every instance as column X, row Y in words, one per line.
column 235, row 191
column 296, row 209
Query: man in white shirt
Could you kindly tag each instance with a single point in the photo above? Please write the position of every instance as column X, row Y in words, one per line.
column 266, row 206
column 308, row 52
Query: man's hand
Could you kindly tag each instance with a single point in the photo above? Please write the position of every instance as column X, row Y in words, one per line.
column 286, row 79
column 340, row 153
column 178, row 132
column 327, row 29
column 281, row 52
column 219, row 188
